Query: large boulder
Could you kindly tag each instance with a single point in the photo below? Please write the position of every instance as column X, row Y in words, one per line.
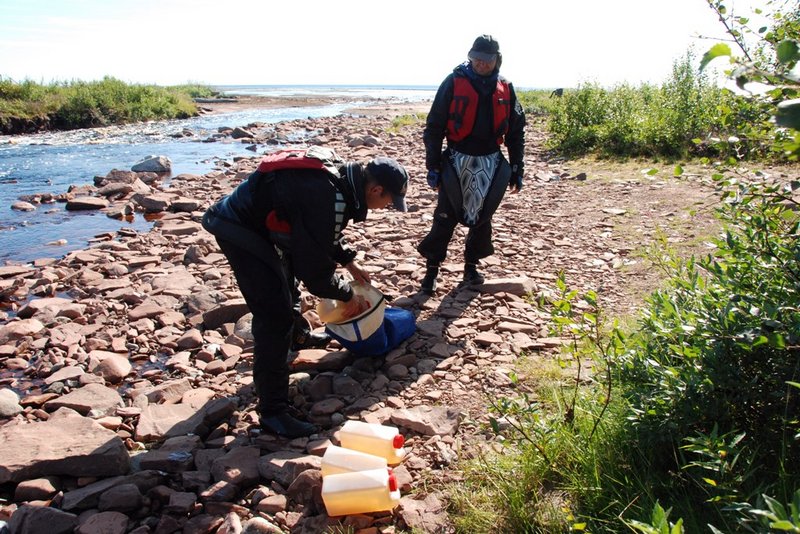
column 74, row 446
column 153, row 164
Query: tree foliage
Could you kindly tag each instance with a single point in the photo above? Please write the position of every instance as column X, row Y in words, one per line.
column 712, row 374
column 766, row 56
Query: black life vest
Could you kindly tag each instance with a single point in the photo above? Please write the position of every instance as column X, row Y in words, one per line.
column 464, row 108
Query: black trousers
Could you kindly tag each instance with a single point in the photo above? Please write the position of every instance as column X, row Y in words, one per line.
column 272, row 301
column 449, row 212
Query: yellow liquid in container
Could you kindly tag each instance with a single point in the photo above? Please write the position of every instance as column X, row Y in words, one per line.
column 360, row 492
column 331, row 311
column 379, row 440
column 341, row 460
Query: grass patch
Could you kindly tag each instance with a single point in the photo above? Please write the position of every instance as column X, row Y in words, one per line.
column 402, row 121
column 546, row 473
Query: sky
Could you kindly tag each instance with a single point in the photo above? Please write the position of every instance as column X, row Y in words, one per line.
column 558, row 43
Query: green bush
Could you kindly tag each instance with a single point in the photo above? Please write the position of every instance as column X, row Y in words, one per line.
column 79, row 104
column 194, row 90
column 536, row 102
column 622, row 129
column 697, row 407
column 576, row 119
column 680, row 118
column 717, row 350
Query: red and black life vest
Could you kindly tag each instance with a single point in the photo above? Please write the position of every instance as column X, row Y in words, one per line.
column 464, row 108
column 316, row 158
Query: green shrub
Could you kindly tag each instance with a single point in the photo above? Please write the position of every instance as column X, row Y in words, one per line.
column 716, row 351
column 79, row 104
column 194, row 90
column 680, row 118
column 698, row 407
column 576, row 119
column 537, row 102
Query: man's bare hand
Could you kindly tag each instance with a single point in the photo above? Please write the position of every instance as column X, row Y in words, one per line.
column 358, row 274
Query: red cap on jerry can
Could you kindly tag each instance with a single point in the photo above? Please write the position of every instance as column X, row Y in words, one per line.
column 392, row 480
column 398, row 441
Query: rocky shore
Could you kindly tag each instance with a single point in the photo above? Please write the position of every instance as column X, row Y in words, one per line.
column 126, row 400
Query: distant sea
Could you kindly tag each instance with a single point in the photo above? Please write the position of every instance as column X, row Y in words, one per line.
column 405, row 93
column 52, row 162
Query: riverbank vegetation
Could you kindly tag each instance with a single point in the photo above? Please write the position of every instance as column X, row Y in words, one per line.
column 688, row 420
column 687, row 116
column 28, row 106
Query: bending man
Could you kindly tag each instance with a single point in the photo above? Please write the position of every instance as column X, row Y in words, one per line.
column 288, row 223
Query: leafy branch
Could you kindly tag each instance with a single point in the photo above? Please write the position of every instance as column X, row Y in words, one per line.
column 780, row 46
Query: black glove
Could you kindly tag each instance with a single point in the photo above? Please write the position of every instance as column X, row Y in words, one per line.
column 434, row 178
column 515, row 183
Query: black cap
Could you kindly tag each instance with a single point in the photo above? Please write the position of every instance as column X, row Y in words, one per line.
column 484, row 48
column 393, row 177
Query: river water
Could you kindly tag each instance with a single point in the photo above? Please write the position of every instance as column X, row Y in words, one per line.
column 52, row 162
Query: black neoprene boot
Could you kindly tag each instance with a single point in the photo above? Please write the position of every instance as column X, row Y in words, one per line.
column 287, row 426
column 310, row 340
column 428, row 285
column 471, row 275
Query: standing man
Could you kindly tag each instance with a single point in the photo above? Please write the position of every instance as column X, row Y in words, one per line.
column 477, row 111
column 282, row 224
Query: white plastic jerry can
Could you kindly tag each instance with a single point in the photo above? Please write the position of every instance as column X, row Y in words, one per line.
column 360, row 492
column 380, row 440
column 341, row 460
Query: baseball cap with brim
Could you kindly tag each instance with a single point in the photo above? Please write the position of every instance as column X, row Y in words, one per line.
column 393, row 177
column 481, row 56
